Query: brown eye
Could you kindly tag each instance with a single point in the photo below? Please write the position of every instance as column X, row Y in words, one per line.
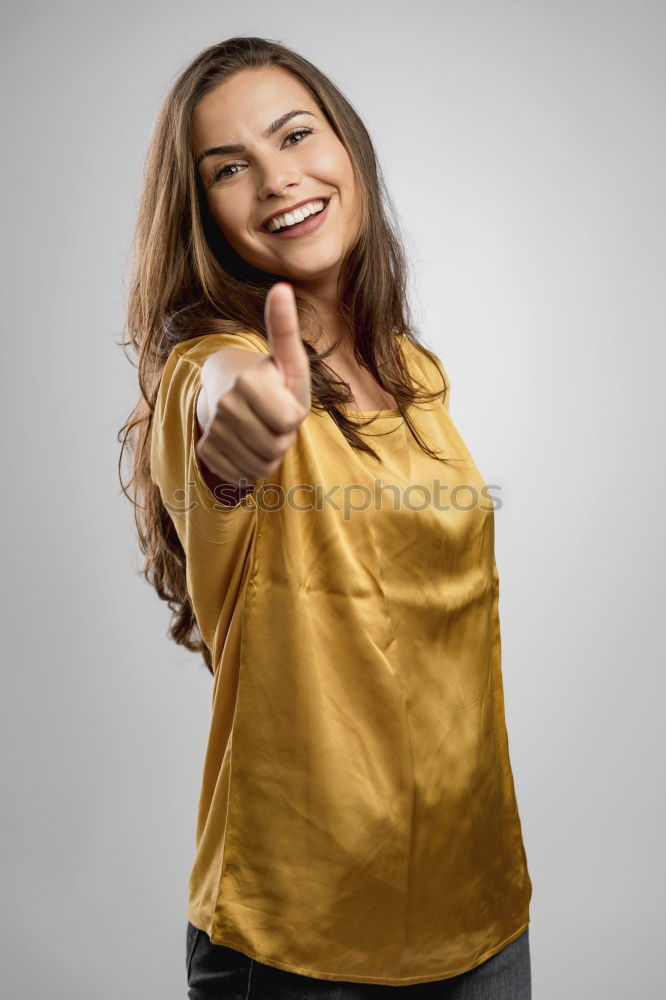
column 298, row 131
column 220, row 172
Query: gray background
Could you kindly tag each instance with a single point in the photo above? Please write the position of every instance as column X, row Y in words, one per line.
column 524, row 146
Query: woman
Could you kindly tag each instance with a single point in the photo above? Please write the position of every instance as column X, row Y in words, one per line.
column 357, row 824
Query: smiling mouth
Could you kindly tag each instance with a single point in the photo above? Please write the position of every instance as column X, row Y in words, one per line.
column 296, row 226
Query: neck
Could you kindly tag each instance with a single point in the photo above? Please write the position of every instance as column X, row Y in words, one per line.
column 324, row 298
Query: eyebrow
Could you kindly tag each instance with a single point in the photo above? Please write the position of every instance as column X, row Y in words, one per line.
column 271, row 130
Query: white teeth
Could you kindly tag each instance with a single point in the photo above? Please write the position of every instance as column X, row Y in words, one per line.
column 298, row 215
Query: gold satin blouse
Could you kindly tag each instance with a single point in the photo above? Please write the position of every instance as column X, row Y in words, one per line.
column 357, row 817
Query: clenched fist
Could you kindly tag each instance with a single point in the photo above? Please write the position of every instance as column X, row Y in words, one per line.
column 249, row 409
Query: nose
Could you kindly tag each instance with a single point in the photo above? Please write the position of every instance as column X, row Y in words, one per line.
column 275, row 178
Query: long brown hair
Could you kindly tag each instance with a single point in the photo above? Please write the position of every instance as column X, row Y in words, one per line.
column 187, row 281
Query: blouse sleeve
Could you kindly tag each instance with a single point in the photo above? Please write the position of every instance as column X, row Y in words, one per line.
column 434, row 372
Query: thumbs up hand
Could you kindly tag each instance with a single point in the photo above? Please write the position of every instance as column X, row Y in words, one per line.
column 250, row 410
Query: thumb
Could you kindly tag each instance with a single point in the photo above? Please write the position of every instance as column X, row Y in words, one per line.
column 284, row 337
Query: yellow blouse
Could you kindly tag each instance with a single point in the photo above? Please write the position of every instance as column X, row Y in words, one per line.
column 357, row 817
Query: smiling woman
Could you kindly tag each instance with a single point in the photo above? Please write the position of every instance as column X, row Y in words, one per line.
column 357, row 817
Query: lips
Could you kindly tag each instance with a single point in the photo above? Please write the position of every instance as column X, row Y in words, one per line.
column 301, row 230
column 292, row 208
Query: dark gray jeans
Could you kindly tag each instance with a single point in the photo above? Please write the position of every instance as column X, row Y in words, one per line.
column 215, row 972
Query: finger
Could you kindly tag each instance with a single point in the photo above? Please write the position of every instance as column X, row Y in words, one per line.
column 284, row 337
column 261, row 386
column 233, row 464
column 239, row 436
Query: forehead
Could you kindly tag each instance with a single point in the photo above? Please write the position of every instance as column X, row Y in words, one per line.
column 243, row 106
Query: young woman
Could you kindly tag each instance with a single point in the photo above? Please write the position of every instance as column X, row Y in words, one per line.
column 323, row 538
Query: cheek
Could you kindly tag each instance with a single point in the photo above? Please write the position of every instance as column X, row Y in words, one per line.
column 324, row 163
column 347, row 180
column 230, row 219
column 351, row 190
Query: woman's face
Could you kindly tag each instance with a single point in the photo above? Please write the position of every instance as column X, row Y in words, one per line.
column 302, row 160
